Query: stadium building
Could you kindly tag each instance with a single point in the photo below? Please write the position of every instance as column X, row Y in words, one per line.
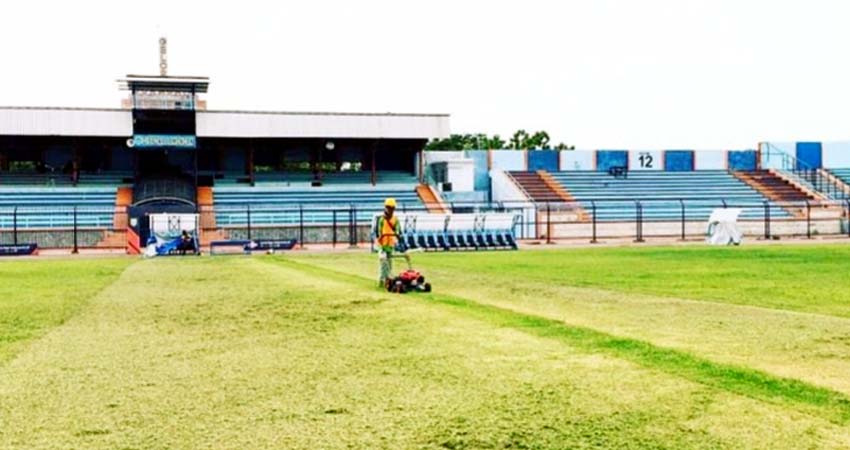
column 164, row 150
column 91, row 177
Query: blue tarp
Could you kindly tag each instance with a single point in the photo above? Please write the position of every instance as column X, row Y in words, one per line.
column 543, row 160
column 809, row 155
column 606, row 159
column 742, row 160
column 679, row 160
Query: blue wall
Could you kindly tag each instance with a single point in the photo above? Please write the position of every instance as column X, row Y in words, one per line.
column 543, row 160
column 679, row 160
column 606, row 159
column 742, row 160
column 809, row 155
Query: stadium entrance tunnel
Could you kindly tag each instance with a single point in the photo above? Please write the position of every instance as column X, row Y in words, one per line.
column 139, row 231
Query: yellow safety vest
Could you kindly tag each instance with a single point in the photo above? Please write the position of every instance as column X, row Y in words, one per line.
column 388, row 231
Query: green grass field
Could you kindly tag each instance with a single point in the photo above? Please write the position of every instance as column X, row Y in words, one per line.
column 661, row 348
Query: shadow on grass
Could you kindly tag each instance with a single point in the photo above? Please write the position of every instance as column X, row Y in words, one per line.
column 818, row 401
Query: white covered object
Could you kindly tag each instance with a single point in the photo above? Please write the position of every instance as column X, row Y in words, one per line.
column 723, row 227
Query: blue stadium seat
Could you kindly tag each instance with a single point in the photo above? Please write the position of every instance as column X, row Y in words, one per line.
column 303, row 179
column 278, row 204
column 660, row 194
column 53, row 207
column 843, row 174
column 469, row 231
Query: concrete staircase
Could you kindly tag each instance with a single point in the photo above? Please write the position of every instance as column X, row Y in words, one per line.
column 537, row 188
column 776, row 188
column 431, row 199
column 123, row 199
column 206, row 207
column 543, row 189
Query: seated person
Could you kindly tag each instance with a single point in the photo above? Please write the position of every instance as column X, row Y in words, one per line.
column 186, row 243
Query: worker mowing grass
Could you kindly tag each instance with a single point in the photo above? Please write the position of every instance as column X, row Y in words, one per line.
column 388, row 232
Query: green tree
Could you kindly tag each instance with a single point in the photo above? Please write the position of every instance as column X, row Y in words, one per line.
column 520, row 140
column 538, row 141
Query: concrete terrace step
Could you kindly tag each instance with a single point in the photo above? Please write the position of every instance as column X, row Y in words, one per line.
column 660, row 192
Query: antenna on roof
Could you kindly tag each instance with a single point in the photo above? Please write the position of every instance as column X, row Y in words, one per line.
column 163, row 57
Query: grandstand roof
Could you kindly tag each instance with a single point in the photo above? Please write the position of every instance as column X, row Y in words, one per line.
column 60, row 121
column 164, row 83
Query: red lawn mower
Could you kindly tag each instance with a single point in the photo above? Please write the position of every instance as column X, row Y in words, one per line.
column 411, row 280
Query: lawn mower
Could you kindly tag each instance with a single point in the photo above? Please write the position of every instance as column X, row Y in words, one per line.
column 410, row 280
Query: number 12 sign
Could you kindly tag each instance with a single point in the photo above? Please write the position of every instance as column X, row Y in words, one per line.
column 645, row 160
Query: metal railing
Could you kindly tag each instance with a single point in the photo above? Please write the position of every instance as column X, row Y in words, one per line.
column 680, row 218
column 810, row 177
column 593, row 221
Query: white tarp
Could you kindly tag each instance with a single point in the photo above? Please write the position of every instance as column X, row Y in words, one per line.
column 723, row 227
column 168, row 226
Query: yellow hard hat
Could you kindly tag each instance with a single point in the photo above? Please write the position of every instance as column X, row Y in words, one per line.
column 390, row 202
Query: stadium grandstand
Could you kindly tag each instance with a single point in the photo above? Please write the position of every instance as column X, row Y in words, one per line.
column 102, row 170
column 91, row 177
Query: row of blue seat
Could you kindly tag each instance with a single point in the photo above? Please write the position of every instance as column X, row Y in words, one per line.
column 45, row 207
column 24, row 218
column 843, row 174
column 281, row 206
column 32, row 179
column 289, row 216
column 460, row 240
column 328, row 179
column 660, row 192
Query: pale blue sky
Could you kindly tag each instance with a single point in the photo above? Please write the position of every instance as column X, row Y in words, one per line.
column 597, row 74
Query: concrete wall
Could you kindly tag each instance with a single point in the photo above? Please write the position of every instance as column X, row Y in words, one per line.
column 53, row 239
column 508, row 160
column 710, row 160
column 694, row 230
column 312, row 235
column 836, row 155
column 578, row 160
column 506, row 191
column 440, row 156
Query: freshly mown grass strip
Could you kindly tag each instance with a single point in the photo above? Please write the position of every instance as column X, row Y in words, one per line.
column 805, row 278
column 822, row 402
column 785, row 343
column 37, row 295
